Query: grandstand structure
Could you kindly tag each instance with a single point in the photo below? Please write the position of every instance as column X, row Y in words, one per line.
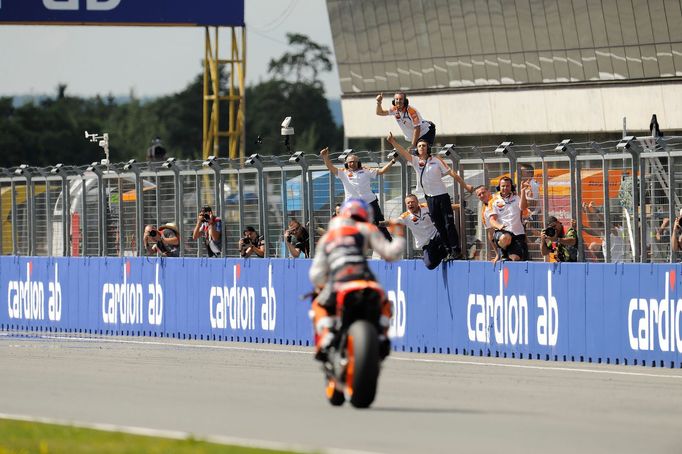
column 533, row 71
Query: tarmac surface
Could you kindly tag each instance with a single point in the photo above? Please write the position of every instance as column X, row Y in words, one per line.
column 273, row 396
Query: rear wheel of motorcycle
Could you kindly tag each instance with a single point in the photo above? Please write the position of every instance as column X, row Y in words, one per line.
column 363, row 363
column 334, row 396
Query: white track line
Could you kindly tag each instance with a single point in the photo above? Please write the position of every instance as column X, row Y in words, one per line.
column 393, row 357
column 179, row 435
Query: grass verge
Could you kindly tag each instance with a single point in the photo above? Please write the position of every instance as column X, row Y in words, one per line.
column 19, row 437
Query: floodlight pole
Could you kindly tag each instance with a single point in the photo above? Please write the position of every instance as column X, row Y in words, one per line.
column 255, row 161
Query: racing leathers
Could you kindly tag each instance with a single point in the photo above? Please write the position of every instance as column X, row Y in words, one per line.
column 340, row 257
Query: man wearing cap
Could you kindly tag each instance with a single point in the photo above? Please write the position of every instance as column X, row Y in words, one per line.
column 557, row 245
column 210, row 228
column 164, row 241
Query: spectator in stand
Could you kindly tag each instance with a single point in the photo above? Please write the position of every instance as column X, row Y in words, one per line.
column 357, row 183
column 559, row 245
column 414, row 127
column 429, row 171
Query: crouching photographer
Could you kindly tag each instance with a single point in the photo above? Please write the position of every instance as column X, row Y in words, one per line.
column 251, row 243
column 297, row 239
column 164, row 241
column 557, row 245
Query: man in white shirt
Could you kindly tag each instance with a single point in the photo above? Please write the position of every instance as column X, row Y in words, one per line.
column 508, row 209
column 430, row 171
column 412, row 124
column 426, row 237
column 357, row 183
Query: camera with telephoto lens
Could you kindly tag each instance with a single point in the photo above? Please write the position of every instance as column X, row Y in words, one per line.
column 246, row 241
column 153, row 233
column 291, row 238
column 550, row 231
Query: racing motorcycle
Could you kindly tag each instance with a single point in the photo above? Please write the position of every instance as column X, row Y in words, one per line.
column 354, row 357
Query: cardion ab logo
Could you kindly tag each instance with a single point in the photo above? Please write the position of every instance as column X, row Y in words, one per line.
column 504, row 317
column 236, row 305
column 656, row 323
column 123, row 302
column 26, row 297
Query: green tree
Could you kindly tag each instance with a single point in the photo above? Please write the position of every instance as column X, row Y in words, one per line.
column 268, row 103
column 305, row 62
column 303, row 99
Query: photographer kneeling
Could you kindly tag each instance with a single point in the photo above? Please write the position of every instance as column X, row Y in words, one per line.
column 557, row 245
column 164, row 241
column 251, row 243
column 297, row 239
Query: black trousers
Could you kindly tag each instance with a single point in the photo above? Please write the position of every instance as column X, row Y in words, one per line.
column 434, row 252
column 378, row 217
column 443, row 218
column 430, row 135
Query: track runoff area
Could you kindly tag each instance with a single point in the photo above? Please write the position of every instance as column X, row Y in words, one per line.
column 273, row 397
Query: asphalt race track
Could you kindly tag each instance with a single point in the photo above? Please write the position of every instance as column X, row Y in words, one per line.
column 273, row 396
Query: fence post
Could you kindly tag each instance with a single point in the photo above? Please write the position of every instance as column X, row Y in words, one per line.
column 24, row 171
column 139, row 209
column 566, row 146
column 94, row 168
column 213, row 163
column 255, row 161
column 299, row 158
column 506, row 148
column 170, row 164
column 629, row 144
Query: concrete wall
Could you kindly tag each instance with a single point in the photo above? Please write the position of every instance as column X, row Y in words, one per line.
column 590, row 109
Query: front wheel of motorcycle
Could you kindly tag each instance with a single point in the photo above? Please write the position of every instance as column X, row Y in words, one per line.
column 362, row 372
column 334, row 396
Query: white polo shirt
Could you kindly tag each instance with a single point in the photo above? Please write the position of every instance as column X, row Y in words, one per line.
column 408, row 120
column 508, row 212
column 358, row 184
column 420, row 225
column 430, row 174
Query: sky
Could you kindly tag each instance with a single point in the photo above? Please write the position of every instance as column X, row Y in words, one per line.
column 150, row 61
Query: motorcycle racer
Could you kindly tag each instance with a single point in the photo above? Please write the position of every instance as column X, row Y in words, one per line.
column 340, row 259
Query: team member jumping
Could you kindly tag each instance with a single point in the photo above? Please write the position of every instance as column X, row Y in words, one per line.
column 430, row 170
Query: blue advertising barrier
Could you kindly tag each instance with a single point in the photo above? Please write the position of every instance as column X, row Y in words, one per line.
column 604, row 313
column 119, row 12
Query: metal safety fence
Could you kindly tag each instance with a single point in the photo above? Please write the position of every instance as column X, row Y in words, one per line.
column 622, row 196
